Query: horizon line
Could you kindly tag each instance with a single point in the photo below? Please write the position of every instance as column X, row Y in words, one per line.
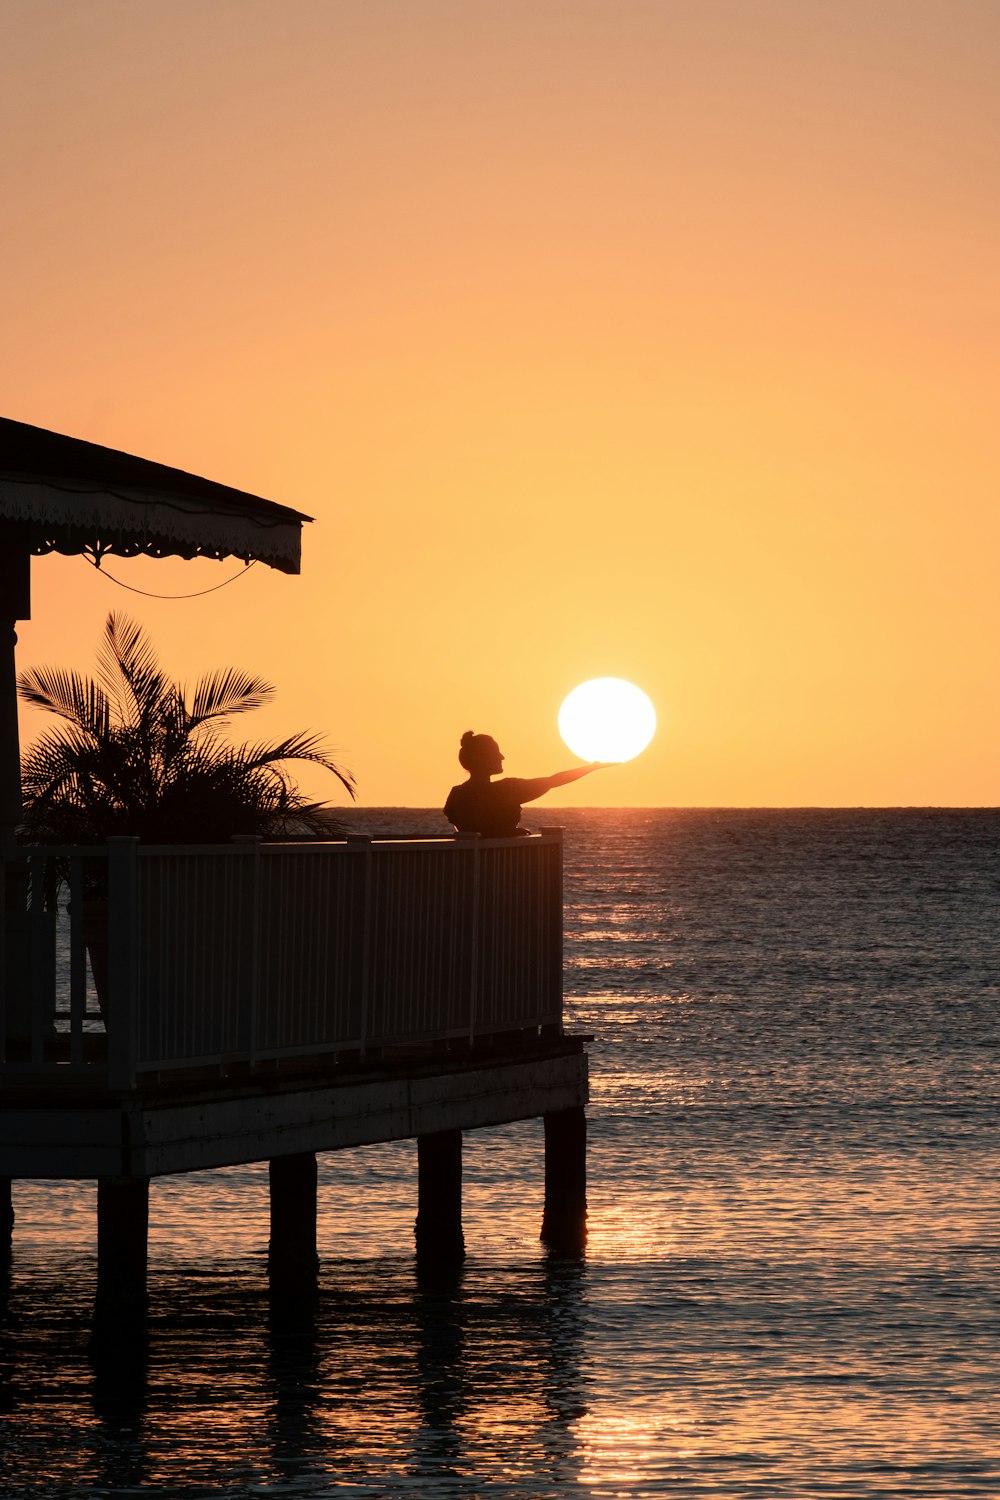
column 704, row 807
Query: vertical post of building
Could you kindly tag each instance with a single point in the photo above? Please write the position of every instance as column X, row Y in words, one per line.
column 564, row 1222
column 15, row 604
column 440, row 1241
column 122, row 1237
column 292, row 1262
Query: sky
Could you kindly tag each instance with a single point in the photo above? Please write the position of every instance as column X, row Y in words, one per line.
column 643, row 338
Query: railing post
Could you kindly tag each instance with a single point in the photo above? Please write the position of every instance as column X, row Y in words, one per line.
column 8, row 890
column 27, row 958
column 122, row 960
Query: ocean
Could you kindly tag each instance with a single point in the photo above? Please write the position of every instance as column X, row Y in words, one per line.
column 792, row 1280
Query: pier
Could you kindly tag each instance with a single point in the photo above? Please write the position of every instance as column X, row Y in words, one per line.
column 169, row 1009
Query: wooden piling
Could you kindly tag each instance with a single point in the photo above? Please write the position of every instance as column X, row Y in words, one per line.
column 6, row 1218
column 292, row 1261
column 564, row 1221
column 438, row 1230
column 122, row 1236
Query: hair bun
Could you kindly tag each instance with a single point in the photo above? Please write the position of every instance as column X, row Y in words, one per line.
column 466, row 737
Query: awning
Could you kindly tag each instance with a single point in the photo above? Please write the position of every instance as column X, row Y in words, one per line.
column 66, row 495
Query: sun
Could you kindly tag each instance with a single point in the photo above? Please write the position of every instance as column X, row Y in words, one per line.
column 607, row 719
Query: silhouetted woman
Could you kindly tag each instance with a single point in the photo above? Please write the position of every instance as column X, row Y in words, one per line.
column 493, row 808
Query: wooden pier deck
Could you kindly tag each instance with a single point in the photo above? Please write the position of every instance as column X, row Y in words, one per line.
column 256, row 1002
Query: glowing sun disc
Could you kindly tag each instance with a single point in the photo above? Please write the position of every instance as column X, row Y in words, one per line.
column 607, row 719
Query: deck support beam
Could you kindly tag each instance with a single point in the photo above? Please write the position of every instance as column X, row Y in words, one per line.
column 564, row 1222
column 122, row 1238
column 292, row 1262
column 440, row 1241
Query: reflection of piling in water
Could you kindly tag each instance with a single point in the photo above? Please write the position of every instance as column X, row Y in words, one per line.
column 294, row 1369
column 443, row 1385
column 121, row 1367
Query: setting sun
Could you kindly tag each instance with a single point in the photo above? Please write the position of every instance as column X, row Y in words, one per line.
column 607, row 719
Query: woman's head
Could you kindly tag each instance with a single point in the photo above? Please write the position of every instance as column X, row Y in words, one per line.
column 479, row 752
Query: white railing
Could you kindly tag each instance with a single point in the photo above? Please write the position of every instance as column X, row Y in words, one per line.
column 251, row 951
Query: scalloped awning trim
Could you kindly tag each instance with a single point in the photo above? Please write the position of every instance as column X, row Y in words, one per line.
column 61, row 515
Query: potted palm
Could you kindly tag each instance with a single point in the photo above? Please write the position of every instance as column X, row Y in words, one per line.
column 136, row 754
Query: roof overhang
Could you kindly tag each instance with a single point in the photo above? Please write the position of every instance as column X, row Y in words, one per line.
column 65, row 495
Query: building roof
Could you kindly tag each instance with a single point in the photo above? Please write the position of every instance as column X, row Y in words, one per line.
column 67, row 495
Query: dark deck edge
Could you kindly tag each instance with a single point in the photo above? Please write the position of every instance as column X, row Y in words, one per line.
column 132, row 1137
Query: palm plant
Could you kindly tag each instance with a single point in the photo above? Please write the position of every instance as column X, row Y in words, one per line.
column 134, row 755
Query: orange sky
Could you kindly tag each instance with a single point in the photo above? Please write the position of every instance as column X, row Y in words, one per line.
column 655, row 340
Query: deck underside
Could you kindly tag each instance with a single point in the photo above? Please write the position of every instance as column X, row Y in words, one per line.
column 198, row 1122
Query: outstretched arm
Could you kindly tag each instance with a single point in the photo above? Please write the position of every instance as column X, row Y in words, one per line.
column 536, row 786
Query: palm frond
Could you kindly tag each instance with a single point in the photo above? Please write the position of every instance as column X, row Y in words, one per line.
column 78, row 699
column 228, row 692
column 126, row 660
column 308, row 747
column 53, row 762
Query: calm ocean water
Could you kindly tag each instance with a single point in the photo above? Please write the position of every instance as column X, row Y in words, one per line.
column 792, row 1284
